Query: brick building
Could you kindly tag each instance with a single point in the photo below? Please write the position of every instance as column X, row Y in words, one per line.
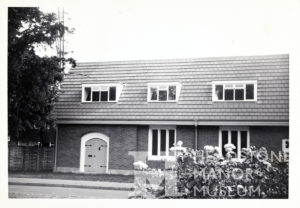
column 107, row 111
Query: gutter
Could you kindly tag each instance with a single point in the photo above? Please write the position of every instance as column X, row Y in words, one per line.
column 55, row 152
column 196, row 134
column 172, row 122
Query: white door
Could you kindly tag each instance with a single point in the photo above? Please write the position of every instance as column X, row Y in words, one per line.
column 95, row 156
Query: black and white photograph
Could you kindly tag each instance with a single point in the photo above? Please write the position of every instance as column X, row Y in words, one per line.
column 178, row 101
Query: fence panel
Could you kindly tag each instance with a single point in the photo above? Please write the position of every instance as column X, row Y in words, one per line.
column 30, row 158
column 15, row 158
column 46, row 158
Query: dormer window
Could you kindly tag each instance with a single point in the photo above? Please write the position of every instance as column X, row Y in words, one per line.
column 163, row 92
column 101, row 92
column 234, row 91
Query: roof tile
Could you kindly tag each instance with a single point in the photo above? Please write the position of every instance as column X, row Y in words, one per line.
column 195, row 102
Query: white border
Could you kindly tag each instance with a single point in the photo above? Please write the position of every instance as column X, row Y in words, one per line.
column 158, row 157
column 287, row 36
column 165, row 84
column 119, row 88
column 87, row 137
column 214, row 83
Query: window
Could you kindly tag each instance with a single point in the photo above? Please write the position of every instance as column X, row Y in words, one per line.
column 101, row 92
column 112, row 93
column 163, row 92
column 161, row 139
column 234, row 91
column 239, row 137
column 95, row 96
column 87, row 94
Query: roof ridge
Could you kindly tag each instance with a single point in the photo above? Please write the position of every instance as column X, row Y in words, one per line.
column 182, row 60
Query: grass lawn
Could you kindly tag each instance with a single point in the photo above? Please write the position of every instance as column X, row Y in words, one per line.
column 73, row 176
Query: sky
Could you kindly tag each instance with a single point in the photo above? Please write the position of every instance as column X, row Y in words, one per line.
column 139, row 29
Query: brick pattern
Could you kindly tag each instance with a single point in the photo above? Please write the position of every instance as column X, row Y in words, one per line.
column 122, row 140
column 208, row 135
column 269, row 137
column 186, row 134
column 142, row 135
column 195, row 102
column 126, row 138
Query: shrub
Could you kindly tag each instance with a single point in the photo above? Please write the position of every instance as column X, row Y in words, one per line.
column 205, row 174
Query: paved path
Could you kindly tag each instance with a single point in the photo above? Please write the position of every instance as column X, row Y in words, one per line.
column 71, row 183
column 26, row 191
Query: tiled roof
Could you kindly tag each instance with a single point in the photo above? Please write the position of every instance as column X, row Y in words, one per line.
column 195, row 101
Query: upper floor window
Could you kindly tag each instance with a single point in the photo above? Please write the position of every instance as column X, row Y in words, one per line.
column 163, row 92
column 234, row 91
column 101, row 92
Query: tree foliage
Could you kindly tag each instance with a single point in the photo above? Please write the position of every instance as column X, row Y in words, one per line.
column 33, row 81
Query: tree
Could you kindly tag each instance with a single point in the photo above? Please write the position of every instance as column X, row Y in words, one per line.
column 33, row 81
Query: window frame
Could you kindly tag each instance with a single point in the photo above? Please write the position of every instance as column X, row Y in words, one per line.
column 283, row 144
column 158, row 156
column 234, row 87
column 118, row 87
column 158, row 86
column 239, row 130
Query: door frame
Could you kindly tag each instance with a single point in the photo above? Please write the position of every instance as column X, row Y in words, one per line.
column 87, row 137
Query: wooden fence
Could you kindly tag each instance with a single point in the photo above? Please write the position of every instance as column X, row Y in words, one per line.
column 30, row 158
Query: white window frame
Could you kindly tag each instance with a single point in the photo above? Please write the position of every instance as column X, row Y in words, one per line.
column 284, row 149
column 159, row 87
column 158, row 156
column 118, row 86
column 238, row 129
column 234, row 83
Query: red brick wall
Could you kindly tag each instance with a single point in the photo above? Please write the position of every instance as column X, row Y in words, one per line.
column 127, row 138
column 142, row 135
column 269, row 137
column 208, row 135
column 122, row 139
column 186, row 134
column 260, row 136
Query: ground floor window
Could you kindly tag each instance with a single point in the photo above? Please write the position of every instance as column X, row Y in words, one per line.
column 161, row 139
column 238, row 136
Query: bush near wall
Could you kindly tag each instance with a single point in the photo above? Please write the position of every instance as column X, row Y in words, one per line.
column 204, row 174
column 254, row 177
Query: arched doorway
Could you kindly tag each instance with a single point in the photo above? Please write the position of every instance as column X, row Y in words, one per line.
column 94, row 154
